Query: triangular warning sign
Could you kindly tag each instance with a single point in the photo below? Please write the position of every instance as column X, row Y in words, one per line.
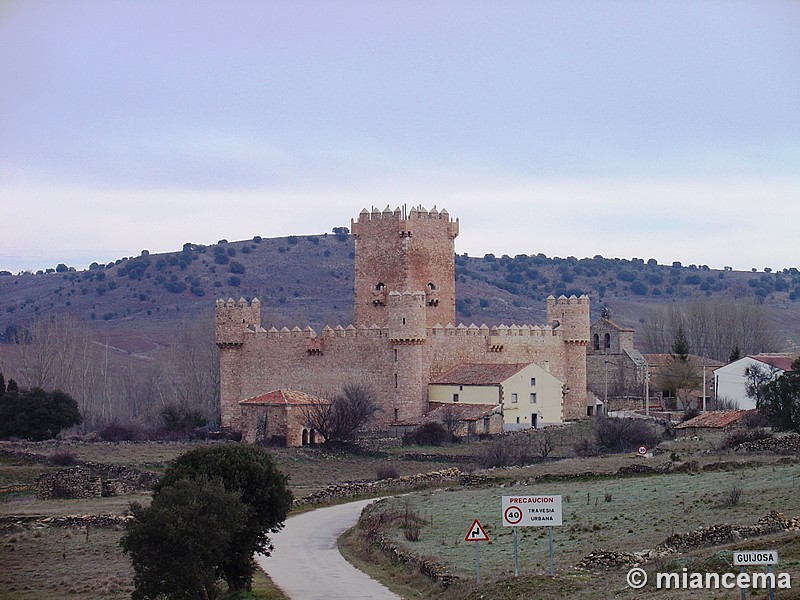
column 476, row 533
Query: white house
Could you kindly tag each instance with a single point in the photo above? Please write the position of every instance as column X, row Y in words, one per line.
column 730, row 381
column 529, row 395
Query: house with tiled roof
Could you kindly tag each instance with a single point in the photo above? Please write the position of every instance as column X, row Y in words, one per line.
column 711, row 422
column 731, row 380
column 528, row 395
column 278, row 418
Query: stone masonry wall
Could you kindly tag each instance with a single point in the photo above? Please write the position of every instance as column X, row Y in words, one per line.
column 321, row 365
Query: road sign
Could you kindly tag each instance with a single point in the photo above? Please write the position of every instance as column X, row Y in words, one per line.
column 642, row 450
column 476, row 533
column 755, row 557
column 532, row 511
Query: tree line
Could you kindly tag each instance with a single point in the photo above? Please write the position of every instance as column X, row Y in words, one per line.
column 109, row 385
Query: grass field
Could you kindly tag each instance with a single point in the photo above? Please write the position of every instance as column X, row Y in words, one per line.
column 607, row 513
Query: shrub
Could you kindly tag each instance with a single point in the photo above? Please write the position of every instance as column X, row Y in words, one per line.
column 386, row 472
column 731, row 497
column 740, row 436
column 63, row 458
column 625, row 434
column 586, row 448
column 505, row 453
column 429, row 434
column 121, row 432
column 754, row 419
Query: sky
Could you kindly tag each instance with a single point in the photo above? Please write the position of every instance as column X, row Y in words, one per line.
column 624, row 128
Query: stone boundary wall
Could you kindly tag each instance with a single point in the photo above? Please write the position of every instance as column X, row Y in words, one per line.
column 367, row 487
column 788, row 444
column 101, row 520
column 126, row 478
column 714, row 535
column 78, row 482
column 427, row 566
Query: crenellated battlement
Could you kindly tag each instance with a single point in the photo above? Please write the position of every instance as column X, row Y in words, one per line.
column 351, row 331
column 404, row 218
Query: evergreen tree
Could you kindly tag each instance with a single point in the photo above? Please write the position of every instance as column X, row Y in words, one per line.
column 780, row 400
column 247, row 472
column 680, row 347
column 735, row 355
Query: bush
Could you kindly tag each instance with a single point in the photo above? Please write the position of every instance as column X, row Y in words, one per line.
column 586, row 448
column 505, row 453
column 35, row 414
column 429, row 434
column 386, row 472
column 741, row 436
column 63, row 458
column 625, row 434
column 122, row 432
column 754, row 419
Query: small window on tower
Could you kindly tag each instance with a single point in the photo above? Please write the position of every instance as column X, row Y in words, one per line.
column 513, row 398
column 533, row 381
column 455, row 397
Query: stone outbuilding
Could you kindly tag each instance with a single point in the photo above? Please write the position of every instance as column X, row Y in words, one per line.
column 278, row 418
column 711, row 422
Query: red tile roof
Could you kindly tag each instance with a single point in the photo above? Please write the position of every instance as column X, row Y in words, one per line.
column 713, row 420
column 779, row 361
column 284, row 398
column 479, row 374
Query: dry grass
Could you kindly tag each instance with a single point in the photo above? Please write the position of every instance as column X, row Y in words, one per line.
column 55, row 563
column 640, row 514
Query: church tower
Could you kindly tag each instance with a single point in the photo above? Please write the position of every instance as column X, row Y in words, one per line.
column 405, row 252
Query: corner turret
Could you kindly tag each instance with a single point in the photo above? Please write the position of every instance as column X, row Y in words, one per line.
column 233, row 318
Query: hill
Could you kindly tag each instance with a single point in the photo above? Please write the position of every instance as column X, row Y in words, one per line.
column 138, row 304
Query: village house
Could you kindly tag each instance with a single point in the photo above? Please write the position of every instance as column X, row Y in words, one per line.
column 732, row 379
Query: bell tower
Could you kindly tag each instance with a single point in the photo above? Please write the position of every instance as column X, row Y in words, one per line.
column 405, row 251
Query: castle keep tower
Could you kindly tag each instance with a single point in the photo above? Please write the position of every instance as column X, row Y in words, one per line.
column 404, row 251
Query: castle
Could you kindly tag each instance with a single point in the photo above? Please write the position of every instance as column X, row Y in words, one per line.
column 404, row 334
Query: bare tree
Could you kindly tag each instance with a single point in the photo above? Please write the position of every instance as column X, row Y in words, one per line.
column 545, row 441
column 756, row 377
column 349, row 412
column 451, row 418
column 713, row 328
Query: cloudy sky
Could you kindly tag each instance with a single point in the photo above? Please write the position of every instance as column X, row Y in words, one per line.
column 628, row 129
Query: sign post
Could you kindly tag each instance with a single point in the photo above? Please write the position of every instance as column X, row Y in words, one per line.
column 532, row 511
column 756, row 557
column 477, row 534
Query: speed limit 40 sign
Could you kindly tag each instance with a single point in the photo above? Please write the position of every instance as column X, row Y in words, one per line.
column 531, row 511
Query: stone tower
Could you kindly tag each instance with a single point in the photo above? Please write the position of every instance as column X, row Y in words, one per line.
column 232, row 319
column 404, row 251
column 570, row 317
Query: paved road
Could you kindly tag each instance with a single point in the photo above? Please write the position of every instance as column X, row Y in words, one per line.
column 306, row 563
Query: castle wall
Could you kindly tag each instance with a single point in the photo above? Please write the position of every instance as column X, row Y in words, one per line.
column 397, row 369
